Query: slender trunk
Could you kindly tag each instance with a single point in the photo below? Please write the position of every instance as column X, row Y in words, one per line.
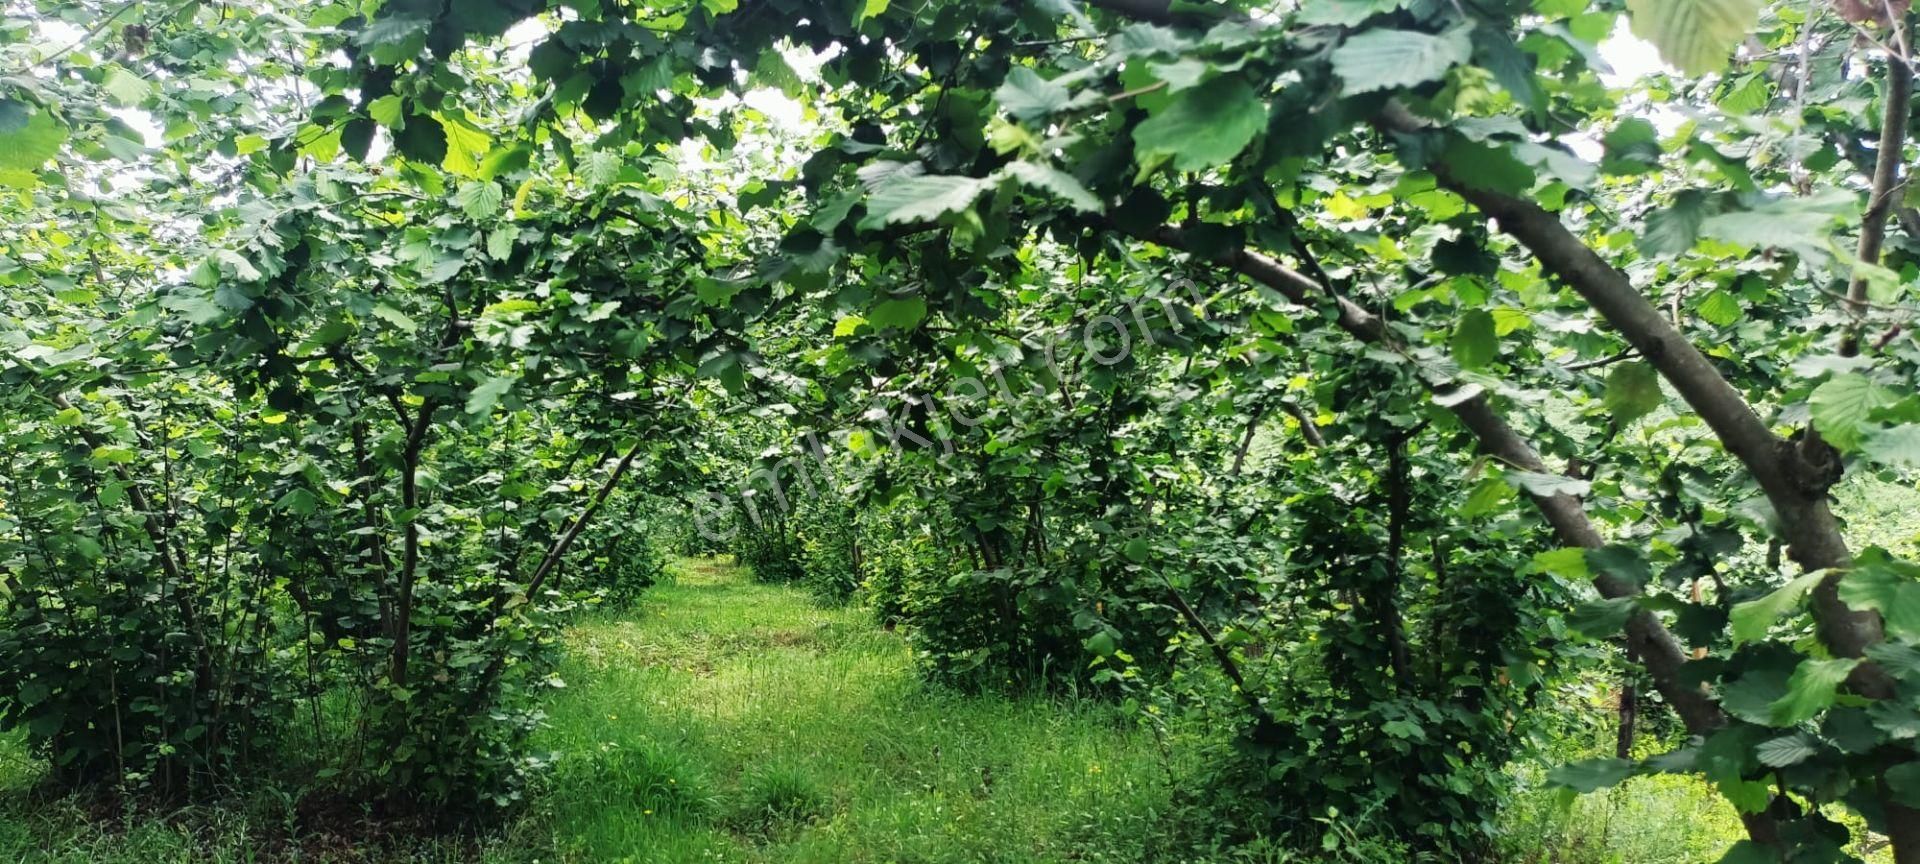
column 1885, row 192
column 410, row 549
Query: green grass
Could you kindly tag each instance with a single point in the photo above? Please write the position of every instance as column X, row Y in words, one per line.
column 728, row 721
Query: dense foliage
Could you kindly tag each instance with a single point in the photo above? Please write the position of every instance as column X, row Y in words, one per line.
column 1345, row 372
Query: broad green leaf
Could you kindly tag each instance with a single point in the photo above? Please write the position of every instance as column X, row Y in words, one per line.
column 423, row 140
column 920, row 199
column 1898, row 659
column 388, row 111
column 1696, row 36
column 1137, row 550
column 600, row 168
column 488, row 392
column 1895, row 447
column 902, row 312
column 1904, row 781
column 1720, row 308
column 1810, row 690
column 1787, row 750
column 1487, row 497
column 1673, row 229
column 1887, row 585
column 1474, row 344
column 1055, row 181
column 479, row 198
column 1569, row 563
column 1384, row 59
column 1202, row 127
column 393, row 39
column 1601, row 619
column 1589, row 775
column 1633, row 391
column 32, row 143
column 1801, row 225
column 500, row 243
column 395, row 317
column 1751, row 620
column 1344, row 13
column 467, row 144
column 1027, row 96
column 125, row 87
column 1841, row 405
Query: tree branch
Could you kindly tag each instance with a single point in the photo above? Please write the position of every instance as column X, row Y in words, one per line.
column 1659, row 651
column 1885, row 191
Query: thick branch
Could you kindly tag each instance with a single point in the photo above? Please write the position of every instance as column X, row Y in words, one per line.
column 1659, row 651
column 1793, row 478
column 1885, row 192
column 559, row 549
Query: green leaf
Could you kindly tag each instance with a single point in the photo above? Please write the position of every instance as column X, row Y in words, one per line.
column 1102, row 644
column 1841, row 405
column 298, row 501
column 1486, row 497
column 1404, row 729
column 478, row 198
column 32, row 143
column 423, row 140
column 500, row 243
column 395, row 317
column 1887, row 585
column 125, row 87
column 1801, row 225
column 1601, row 619
column 489, row 391
column 1633, row 391
column 1202, row 127
column 1344, row 13
column 388, row 111
column 1589, row 775
column 1137, row 550
column 13, row 115
column 1696, row 36
column 1026, row 95
column 1904, row 781
column 1056, row 181
column 920, row 199
column 1810, row 690
column 1895, row 447
column 1474, row 344
column 1486, row 166
column 1751, row 620
column 1673, row 229
column 394, row 39
column 1384, row 59
column 1787, row 750
column 902, row 312
column 1900, row 722
column 1720, row 308
column 467, row 144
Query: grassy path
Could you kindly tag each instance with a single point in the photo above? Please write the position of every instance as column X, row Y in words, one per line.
column 720, row 721
column 730, row 721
